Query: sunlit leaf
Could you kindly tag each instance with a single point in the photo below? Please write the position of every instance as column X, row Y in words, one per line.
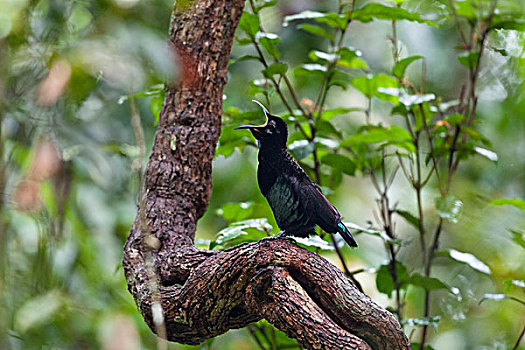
column 378, row 11
column 330, row 18
column 379, row 134
column 498, row 297
column 314, row 242
column 409, row 217
column 358, row 228
column 263, row 4
column 385, row 281
column 268, row 41
column 401, row 66
column 301, row 149
column 470, row 260
column 39, row 310
column 417, row 346
column 516, row 202
column 343, row 163
column 330, row 113
column 410, row 100
column 425, row 321
column 316, row 30
column 244, row 58
column 314, row 67
column 316, row 55
column 229, row 141
column 427, row 283
column 156, row 107
column 518, row 238
column 349, row 58
column 249, row 23
column 241, row 232
column 509, row 283
column 234, row 212
column 470, row 60
column 487, row 153
column 370, row 85
column 455, row 118
column 449, row 208
column 275, row 69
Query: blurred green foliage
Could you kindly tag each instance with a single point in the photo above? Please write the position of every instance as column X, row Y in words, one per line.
column 409, row 114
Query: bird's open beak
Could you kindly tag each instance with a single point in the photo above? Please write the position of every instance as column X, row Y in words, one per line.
column 255, row 127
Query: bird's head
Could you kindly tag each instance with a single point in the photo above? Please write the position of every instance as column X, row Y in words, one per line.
column 273, row 133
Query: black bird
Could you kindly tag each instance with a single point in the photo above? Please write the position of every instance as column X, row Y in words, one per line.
column 296, row 201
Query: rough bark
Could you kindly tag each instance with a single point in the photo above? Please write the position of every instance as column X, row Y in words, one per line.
column 203, row 293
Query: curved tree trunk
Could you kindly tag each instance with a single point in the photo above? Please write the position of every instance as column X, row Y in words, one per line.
column 188, row 294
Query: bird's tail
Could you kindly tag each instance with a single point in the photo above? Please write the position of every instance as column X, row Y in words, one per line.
column 347, row 236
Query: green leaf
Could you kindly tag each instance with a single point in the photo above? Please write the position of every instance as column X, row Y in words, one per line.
column 234, row 212
column 498, row 297
column 470, row 260
column 370, row 85
column 417, row 346
column 275, row 68
column 305, row 68
column 316, row 30
column 470, row 60
column 410, row 100
column 301, row 148
column 305, row 15
column 229, row 140
column 509, row 283
column 244, row 58
column 384, row 280
column 349, row 58
column 409, row 217
column 508, row 22
column 449, row 208
column 516, row 202
column 379, row 134
column 378, row 11
column 264, row 4
column 343, row 163
column 39, row 310
column 518, row 237
column 268, row 41
column 490, row 155
column 401, row 66
column 455, row 118
column 240, row 232
column 332, row 19
column 427, row 283
column 249, row 23
column 314, row 242
column 476, row 136
column 325, row 127
column 425, row 321
column 359, row 229
column 316, row 55
column 156, row 107
column 330, row 113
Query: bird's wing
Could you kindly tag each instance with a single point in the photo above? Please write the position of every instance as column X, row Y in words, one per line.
column 317, row 206
column 284, row 201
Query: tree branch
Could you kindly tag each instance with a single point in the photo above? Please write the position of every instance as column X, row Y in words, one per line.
column 205, row 293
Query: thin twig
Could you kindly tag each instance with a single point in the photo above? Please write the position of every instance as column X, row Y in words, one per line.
column 519, row 339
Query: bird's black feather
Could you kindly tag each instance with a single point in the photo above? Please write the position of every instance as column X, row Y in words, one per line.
column 296, row 201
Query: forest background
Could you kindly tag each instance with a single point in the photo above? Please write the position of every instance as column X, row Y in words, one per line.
column 409, row 114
